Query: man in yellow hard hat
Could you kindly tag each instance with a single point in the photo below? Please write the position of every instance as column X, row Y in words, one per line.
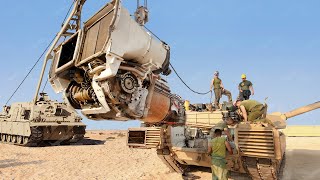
column 245, row 88
column 218, row 88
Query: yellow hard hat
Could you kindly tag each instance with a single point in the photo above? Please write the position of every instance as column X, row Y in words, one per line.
column 243, row 76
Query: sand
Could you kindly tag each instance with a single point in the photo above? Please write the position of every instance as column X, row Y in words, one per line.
column 106, row 156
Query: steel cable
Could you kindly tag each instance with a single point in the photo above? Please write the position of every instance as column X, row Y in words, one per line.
column 201, row 93
column 35, row 64
column 176, row 71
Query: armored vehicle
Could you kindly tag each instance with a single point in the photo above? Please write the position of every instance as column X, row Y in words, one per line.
column 258, row 147
column 30, row 124
column 110, row 69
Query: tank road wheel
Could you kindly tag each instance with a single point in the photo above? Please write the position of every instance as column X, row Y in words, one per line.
column 3, row 138
column 25, row 140
column 9, row 138
column 19, row 139
column 14, row 139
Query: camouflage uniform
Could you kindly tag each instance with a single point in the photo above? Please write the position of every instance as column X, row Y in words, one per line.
column 218, row 159
column 245, row 87
column 218, row 91
column 254, row 109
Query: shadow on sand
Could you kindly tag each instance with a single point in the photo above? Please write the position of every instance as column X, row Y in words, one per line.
column 85, row 141
column 14, row 163
column 88, row 141
column 193, row 170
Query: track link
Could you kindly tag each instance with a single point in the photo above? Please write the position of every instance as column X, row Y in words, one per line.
column 167, row 158
column 36, row 138
column 261, row 169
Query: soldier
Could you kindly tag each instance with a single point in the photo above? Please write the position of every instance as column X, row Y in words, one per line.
column 245, row 87
column 250, row 110
column 217, row 150
column 223, row 125
column 217, row 86
column 6, row 109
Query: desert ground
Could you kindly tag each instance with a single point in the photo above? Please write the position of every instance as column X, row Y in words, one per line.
column 104, row 155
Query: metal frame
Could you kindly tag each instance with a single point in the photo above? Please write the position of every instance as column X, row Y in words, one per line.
column 69, row 28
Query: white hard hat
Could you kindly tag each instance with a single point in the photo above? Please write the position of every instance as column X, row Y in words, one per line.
column 216, row 73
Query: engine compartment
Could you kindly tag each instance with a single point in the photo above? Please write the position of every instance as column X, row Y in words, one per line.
column 111, row 69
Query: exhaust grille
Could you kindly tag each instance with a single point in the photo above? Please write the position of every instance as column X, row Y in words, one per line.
column 253, row 143
column 144, row 137
column 153, row 137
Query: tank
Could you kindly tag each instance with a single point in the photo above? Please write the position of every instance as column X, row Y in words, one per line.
column 40, row 123
column 258, row 148
column 110, row 69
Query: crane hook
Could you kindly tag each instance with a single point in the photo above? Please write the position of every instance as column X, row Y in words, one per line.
column 142, row 13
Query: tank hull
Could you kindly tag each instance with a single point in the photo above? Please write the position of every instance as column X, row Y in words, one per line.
column 29, row 124
column 258, row 148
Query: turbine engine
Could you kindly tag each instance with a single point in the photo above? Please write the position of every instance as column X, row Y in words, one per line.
column 110, row 69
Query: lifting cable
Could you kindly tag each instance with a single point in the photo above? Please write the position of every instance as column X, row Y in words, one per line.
column 35, row 64
column 145, row 3
column 45, row 85
column 201, row 93
column 153, row 34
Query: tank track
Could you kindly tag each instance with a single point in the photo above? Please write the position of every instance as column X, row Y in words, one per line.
column 262, row 169
column 36, row 138
column 167, row 158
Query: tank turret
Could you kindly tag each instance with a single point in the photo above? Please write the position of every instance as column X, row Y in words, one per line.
column 279, row 119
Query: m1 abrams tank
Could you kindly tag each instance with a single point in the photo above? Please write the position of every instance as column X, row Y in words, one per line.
column 32, row 124
column 110, row 68
column 258, row 147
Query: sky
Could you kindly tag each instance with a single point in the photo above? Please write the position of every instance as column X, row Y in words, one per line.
column 276, row 43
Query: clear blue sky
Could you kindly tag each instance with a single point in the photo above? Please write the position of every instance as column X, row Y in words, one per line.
column 276, row 43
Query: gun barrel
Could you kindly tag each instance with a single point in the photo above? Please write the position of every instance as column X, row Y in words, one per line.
column 302, row 110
